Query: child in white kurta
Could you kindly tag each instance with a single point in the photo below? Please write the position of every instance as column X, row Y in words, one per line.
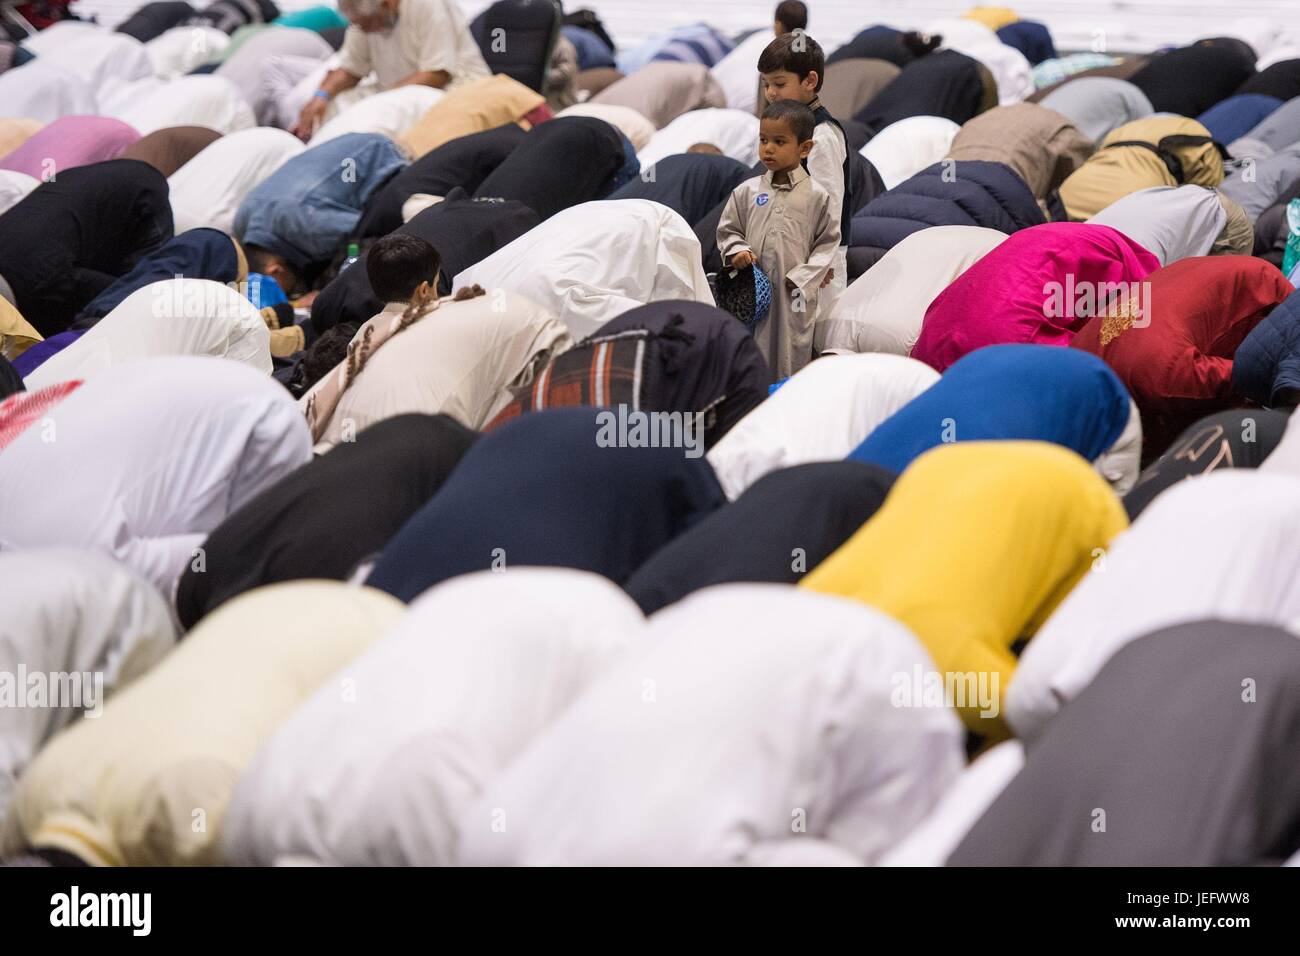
column 783, row 223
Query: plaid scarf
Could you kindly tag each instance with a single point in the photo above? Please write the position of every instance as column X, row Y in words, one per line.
column 601, row 371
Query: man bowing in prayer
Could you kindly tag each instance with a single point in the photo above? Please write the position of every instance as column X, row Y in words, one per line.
column 401, row 42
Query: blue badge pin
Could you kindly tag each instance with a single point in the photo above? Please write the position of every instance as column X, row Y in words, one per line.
column 761, row 200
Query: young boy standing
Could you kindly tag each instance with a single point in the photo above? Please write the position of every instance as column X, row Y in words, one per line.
column 785, row 224
column 792, row 67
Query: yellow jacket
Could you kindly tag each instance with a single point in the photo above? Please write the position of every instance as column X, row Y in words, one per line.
column 1111, row 174
column 975, row 546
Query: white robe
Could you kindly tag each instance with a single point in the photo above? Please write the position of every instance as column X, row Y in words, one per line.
column 732, row 131
column 459, row 360
column 737, row 72
column 903, row 149
column 146, row 458
column 147, row 782
column 882, row 311
column 753, row 717
column 593, row 262
column 45, row 92
column 391, row 113
column 1217, row 546
column 181, row 50
column 478, row 667
column 73, row 612
column 932, row 841
column 171, row 317
column 820, row 414
column 208, row 190
column 104, row 59
column 211, row 101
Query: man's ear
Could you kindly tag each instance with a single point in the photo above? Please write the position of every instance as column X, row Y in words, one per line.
column 811, row 81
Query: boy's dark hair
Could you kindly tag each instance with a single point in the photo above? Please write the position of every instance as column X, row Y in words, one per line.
column 796, row 53
column 397, row 263
column 322, row 356
column 794, row 114
column 792, row 15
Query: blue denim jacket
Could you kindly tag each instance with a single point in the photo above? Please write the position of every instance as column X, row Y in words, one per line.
column 311, row 205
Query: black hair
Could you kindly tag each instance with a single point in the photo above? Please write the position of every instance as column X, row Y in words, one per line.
column 329, row 349
column 259, row 261
column 919, row 44
column 397, row 263
column 794, row 114
column 792, row 15
column 796, row 53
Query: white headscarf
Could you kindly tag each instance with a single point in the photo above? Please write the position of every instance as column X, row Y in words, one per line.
column 903, row 149
column 211, row 101
column 123, row 789
column 172, row 317
column 478, row 667
column 391, row 113
column 181, row 50
column 72, row 612
column 459, row 360
column 146, row 458
column 208, row 190
column 1170, row 222
column 719, row 737
column 821, row 414
column 732, row 131
column 45, row 92
column 14, row 187
column 883, row 309
column 1217, row 546
column 595, row 261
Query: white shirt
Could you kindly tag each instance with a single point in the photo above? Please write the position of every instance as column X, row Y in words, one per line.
column 146, row 458
column 753, row 717
column 477, row 668
column 171, row 317
column 821, row 414
column 429, row 35
column 595, row 261
column 71, row 611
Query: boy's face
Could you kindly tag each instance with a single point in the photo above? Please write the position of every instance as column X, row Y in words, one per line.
column 778, row 146
column 784, row 85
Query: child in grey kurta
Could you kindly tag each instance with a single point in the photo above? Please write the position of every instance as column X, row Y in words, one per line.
column 782, row 222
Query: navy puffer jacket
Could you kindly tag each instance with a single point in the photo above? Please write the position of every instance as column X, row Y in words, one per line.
column 1268, row 359
column 972, row 193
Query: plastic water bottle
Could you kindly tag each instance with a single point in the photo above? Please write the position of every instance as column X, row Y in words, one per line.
column 354, row 253
column 1292, row 254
